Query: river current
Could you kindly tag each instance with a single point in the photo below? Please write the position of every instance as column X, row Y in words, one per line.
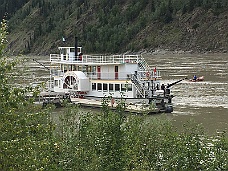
column 204, row 102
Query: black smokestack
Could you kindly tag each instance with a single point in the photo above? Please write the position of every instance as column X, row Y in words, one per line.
column 76, row 47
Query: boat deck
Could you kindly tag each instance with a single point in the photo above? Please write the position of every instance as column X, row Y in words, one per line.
column 130, row 107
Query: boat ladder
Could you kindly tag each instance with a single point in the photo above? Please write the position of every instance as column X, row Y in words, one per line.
column 140, row 89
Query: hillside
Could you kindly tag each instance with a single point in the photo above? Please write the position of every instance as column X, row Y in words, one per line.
column 37, row 26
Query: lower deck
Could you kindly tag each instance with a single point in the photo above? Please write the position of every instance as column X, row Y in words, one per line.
column 156, row 104
column 133, row 107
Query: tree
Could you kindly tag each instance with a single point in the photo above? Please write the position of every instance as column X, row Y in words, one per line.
column 26, row 139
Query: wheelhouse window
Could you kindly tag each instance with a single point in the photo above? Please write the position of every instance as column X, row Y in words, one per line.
column 94, row 86
column 72, row 50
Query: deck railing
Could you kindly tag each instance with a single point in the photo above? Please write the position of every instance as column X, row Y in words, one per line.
column 141, row 75
column 95, row 58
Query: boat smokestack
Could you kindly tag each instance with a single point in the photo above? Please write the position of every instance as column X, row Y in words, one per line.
column 76, row 47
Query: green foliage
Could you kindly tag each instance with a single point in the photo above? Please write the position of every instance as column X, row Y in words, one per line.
column 8, row 7
column 26, row 141
column 3, row 31
column 108, row 140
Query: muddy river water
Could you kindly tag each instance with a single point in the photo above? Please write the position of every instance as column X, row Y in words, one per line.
column 204, row 102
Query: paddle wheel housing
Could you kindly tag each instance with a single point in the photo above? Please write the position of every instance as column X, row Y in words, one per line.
column 75, row 81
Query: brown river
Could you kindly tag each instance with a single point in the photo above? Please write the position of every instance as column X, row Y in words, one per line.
column 204, row 102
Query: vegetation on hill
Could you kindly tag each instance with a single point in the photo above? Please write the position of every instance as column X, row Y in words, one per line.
column 118, row 25
column 9, row 7
column 31, row 139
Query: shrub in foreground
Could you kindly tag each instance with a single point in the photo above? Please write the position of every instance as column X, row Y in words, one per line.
column 110, row 140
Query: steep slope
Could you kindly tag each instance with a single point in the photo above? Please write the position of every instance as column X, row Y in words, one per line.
column 118, row 26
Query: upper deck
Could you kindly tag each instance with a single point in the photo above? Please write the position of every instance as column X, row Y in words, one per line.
column 69, row 56
column 94, row 59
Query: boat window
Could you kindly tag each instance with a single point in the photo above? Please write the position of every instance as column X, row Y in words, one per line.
column 89, row 70
column 79, row 50
column 71, row 67
column 59, row 84
column 56, row 83
column 61, row 51
column 129, row 87
column 94, row 70
column 74, row 68
column 79, row 68
column 123, row 87
column 66, row 67
column 84, row 68
column 71, row 49
column 99, row 86
column 117, row 87
column 110, row 87
column 105, row 87
column 94, row 86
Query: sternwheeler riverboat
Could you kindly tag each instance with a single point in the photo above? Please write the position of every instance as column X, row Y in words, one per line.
column 93, row 77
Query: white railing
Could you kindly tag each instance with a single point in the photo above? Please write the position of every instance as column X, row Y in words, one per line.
column 55, row 58
column 141, row 75
column 96, row 58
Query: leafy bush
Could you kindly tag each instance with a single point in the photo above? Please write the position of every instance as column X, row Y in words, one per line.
column 109, row 140
column 26, row 141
